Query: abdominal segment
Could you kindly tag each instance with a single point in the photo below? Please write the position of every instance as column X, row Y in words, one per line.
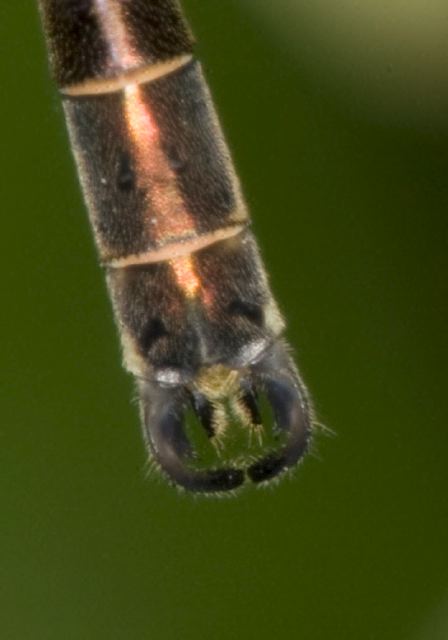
column 153, row 164
column 187, row 313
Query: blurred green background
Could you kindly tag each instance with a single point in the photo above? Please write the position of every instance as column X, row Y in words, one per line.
column 344, row 165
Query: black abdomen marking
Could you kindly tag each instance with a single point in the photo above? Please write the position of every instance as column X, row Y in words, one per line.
column 249, row 310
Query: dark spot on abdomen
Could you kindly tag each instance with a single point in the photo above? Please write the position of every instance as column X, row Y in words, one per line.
column 126, row 175
column 175, row 157
column 249, row 310
column 154, row 330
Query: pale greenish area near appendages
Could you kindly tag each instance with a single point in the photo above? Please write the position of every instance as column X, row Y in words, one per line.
column 236, row 441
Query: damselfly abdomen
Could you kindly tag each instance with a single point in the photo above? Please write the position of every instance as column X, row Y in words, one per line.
column 200, row 329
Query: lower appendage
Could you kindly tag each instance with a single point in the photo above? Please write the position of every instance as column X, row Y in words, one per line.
column 273, row 377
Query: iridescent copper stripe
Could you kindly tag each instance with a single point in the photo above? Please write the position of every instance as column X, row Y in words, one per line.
column 122, row 51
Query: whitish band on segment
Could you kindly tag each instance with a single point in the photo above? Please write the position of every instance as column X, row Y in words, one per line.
column 177, row 249
column 149, row 73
